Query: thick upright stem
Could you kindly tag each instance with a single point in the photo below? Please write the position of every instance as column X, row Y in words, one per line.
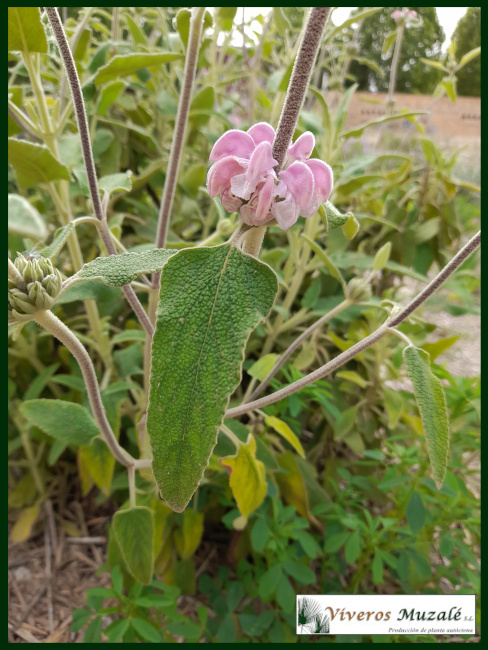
column 84, row 131
column 300, row 77
column 349, row 354
column 180, row 125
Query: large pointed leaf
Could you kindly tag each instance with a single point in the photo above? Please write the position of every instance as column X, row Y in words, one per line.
column 34, row 163
column 211, row 300
column 25, row 30
column 431, row 402
column 134, row 532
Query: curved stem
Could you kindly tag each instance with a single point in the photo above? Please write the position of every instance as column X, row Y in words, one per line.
column 84, row 131
column 296, row 343
column 57, row 328
column 180, row 126
column 300, row 77
column 349, row 354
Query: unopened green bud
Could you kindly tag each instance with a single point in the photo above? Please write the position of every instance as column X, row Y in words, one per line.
column 20, row 302
column 42, row 285
column 358, row 290
column 225, row 227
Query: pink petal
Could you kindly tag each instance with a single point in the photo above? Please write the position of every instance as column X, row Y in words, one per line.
column 323, row 177
column 260, row 162
column 285, row 212
column 299, row 181
column 312, row 207
column 266, row 195
column 232, row 143
column 229, row 202
column 303, row 147
column 262, row 132
column 220, row 174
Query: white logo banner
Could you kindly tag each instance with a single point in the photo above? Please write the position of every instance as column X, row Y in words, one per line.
column 399, row 614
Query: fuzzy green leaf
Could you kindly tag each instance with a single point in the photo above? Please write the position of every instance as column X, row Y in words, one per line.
column 117, row 270
column 116, row 183
column 134, row 532
column 62, row 420
column 123, row 65
column 25, row 30
column 58, row 242
column 382, row 256
column 34, row 163
column 24, row 219
column 211, row 299
column 431, row 403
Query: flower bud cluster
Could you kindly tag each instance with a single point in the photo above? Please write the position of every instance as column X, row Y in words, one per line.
column 358, row 290
column 41, row 285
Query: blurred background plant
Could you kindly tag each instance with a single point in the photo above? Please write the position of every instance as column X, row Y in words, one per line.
column 350, row 505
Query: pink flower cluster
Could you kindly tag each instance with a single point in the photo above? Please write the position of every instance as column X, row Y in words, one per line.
column 243, row 175
column 404, row 14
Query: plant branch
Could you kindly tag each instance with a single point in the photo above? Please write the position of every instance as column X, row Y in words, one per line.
column 84, row 131
column 300, row 77
column 57, row 328
column 296, row 343
column 349, row 354
column 180, row 127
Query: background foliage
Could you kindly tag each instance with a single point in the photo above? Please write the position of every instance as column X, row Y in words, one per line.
column 349, row 503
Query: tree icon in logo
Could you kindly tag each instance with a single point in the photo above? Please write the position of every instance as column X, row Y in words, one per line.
column 310, row 619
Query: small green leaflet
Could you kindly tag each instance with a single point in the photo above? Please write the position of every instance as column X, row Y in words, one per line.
column 59, row 241
column 24, row 219
column 62, row 420
column 211, row 299
column 431, row 403
column 123, row 65
column 134, row 533
column 34, row 163
column 117, row 270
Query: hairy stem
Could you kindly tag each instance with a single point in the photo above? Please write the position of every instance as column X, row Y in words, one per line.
column 57, row 328
column 296, row 343
column 180, row 126
column 83, row 129
column 349, row 354
column 300, row 76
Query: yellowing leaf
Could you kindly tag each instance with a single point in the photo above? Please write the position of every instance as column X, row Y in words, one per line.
column 23, row 526
column 247, row 477
column 292, row 484
column 188, row 539
column 261, row 368
column 354, row 377
column 285, row 432
column 98, row 463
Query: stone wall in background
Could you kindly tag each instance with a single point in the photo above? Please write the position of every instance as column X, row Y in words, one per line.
column 458, row 121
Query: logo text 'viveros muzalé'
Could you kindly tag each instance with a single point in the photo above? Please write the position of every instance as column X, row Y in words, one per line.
column 386, row 614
